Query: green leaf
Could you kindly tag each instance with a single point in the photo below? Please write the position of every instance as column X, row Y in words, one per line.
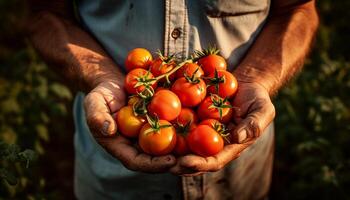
column 12, row 152
column 61, row 91
column 8, row 176
column 28, row 155
column 42, row 132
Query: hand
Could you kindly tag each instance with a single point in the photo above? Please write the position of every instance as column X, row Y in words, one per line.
column 253, row 112
column 101, row 104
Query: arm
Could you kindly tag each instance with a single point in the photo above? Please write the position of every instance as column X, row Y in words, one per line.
column 83, row 62
column 277, row 54
column 281, row 48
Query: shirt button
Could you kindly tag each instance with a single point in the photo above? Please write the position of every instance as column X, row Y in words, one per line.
column 176, row 33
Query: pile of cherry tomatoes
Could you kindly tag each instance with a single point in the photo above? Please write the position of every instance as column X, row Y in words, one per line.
column 177, row 106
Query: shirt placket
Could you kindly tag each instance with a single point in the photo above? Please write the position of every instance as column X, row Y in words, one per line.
column 176, row 28
column 176, row 42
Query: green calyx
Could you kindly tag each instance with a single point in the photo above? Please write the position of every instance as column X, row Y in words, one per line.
column 155, row 126
column 166, row 59
column 192, row 79
column 219, row 103
column 145, row 81
column 216, row 80
column 223, row 131
column 211, row 50
column 183, row 129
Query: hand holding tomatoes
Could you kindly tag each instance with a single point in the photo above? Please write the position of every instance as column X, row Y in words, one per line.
column 100, row 105
column 253, row 112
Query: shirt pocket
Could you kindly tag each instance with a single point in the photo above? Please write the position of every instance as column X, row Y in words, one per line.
column 230, row 8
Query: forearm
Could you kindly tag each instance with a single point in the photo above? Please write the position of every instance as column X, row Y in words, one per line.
column 280, row 49
column 71, row 51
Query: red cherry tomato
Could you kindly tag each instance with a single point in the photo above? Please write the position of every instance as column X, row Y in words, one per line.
column 186, row 115
column 160, row 67
column 138, row 58
column 211, row 110
column 205, row 141
column 189, row 69
column 135, row 76
column 223, row 84
column 190, row 93
column 181, row 147
column 211, row 62
column 165, row 105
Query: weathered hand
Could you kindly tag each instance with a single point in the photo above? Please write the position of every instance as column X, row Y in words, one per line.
column 101, row 104
column 253, row 112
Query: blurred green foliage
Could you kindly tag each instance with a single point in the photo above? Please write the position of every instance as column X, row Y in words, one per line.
column 31, row 102
column 312, row 124
column 313, row 118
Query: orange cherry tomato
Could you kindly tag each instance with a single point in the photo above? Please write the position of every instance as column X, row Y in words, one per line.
column 157, row 142
column 128, row 124
column 138, row 58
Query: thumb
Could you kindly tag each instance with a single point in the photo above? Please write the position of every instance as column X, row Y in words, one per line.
column 98, row 115
column 258, row 118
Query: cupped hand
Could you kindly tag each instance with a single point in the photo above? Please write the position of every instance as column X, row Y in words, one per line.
column 101, row 105
column 253, row 112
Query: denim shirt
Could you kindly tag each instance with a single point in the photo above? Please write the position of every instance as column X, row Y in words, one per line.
column 173, row 26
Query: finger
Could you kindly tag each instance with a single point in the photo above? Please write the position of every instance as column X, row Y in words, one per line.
column 113, row 94
column 146, row 163
column 191, row 165
column 98, row 115
column 216, row 162
column 259, row 117
column 132, row 159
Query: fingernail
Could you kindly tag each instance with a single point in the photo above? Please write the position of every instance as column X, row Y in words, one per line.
column 105, row 128
column 242, row 136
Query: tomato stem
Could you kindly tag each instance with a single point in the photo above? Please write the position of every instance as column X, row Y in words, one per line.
column 166, row 75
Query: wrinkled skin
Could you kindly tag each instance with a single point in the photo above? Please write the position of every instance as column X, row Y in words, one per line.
column 100, row 104
column 253, row 112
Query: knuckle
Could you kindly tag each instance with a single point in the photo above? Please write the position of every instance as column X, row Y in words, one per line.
column 130, row 165
column 217, row 167
column 92, row 119
column 254, row 128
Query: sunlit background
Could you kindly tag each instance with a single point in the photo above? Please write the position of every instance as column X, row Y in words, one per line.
column 312, row 155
